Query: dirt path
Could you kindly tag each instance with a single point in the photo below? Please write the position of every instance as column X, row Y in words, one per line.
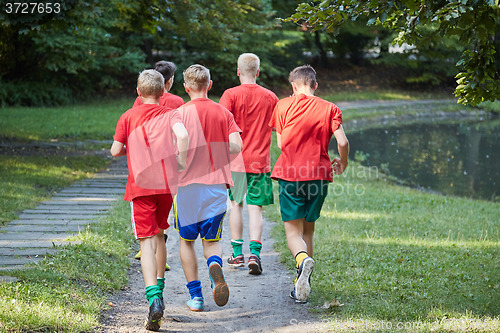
column 256, row 303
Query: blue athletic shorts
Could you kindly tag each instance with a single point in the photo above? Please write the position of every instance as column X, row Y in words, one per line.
column 200, row 210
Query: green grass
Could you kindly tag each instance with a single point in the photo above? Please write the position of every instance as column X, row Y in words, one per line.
column 95, row 121
column 394, row 254
column 406, row 110
column 27, row 180
column 68, row 291
column 382, row 95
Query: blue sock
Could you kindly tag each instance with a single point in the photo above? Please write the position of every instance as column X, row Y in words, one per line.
column 195, row 289
column 216, row 259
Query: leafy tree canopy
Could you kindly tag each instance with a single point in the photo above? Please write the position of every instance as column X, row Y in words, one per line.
column 98, row 45
column 474, row 22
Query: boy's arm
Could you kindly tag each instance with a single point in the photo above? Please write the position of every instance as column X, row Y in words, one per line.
column 235, row 143
column 118, row 149
column 278, row 139
column 339, row 164
column 181, row 134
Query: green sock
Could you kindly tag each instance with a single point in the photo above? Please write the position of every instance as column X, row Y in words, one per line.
column 237, row 247
column 255, row 247
column 153, row 292
column 160, row 282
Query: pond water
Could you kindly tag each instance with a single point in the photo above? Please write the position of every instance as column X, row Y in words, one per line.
column 459, row 158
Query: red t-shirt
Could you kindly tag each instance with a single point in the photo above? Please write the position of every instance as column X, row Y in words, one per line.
column 252, row 107
column 167, row 99
column 306, row 125
column 208, row 125
column 146, row 131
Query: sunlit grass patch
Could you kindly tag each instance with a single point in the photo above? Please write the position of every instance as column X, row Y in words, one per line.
column 27, row 180
column 371, row 95
column 95, row 121
column 67, row 291
column 389, row 253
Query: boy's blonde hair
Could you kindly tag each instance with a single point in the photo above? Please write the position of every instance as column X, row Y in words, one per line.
column 249, row 64
column 197, row 77
column 305, row 75
column 151, row 83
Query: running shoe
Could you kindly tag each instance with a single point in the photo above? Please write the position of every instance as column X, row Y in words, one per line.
column 219, row 285
column 238, row 261
column 195, row 304
column 254, row 265
column 292, row 296
column 155, row 313
column 302, row 284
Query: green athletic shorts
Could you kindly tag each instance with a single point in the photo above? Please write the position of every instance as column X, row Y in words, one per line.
column 302, row 199
column 258, row 188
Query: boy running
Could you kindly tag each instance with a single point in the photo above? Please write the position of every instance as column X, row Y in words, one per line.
column 147, row 128
column 201, row 200
column 252, row 107
column 304, row 125
column 167, row 69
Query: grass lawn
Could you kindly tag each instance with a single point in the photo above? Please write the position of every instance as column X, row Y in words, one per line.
column 27, row 180
column 54, row 295
column 387, row 252
column 393, row 255
column 95, row 121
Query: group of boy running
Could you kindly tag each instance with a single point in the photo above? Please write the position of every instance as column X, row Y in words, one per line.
column 189, row 156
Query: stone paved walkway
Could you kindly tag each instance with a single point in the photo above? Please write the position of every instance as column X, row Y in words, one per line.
column 38, row 231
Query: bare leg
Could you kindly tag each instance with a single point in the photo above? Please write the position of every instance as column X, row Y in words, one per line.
column 236, row 220
column 211, row 248
column 255, row 223
column 308, row 237
column 148, row 260
column 294, row 230
column 188, row 260
column 161, row 254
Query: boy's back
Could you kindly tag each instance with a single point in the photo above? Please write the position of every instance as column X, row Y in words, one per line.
column 252, row 106
column 209, row 125
column 306, row 125
column 133, row 131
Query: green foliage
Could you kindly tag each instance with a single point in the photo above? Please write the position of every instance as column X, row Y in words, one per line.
column 431, row 65
column 473, row 22
column 81, row 48
column 34, row 94
column 215, row 33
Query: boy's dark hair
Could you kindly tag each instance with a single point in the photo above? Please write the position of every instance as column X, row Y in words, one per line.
column 305, row 75
column 166, row 68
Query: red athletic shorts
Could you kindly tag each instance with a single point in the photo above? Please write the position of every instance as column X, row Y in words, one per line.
column 149, row 214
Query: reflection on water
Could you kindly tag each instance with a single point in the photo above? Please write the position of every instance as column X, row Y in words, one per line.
column 457, row 159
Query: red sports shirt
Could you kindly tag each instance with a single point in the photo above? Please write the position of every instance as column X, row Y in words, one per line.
column 208, row 125
column 306, row 125
column 146, row 131
column 252, row 107
column 167, row 99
